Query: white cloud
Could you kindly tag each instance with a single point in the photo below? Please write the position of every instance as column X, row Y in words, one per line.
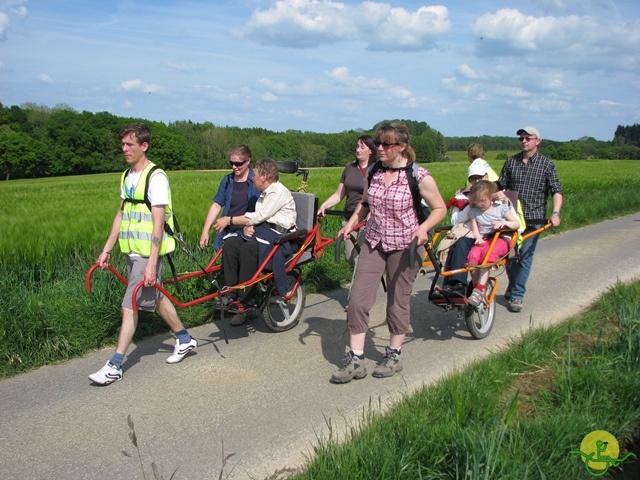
column 311, row 23
column 467, row 72
column 400, row 92
column 279, row 87
column 140, row 86
column 5, row 23
column 578, row 42
column 305, row 87
column 20, row 12
column 609, row 103
column 268, row 97
column 390, row 29
column 181, row 67
column 546, row 105
column 342, row 76
column 44, row 78
column 299, row 24
column 298, row 113
column 508, row 91
column 361, row 85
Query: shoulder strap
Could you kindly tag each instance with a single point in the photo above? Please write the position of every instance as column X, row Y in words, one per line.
column 415, row 192
column 373, row 168
column 146, row 188
column 412, row 173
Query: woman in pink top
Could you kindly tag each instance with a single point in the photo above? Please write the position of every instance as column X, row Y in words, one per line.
column 392, row 225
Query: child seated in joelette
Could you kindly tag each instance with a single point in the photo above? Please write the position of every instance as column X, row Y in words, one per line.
column 487, row 217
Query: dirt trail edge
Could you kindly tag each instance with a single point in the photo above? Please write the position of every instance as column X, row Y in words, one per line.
column 265, row 397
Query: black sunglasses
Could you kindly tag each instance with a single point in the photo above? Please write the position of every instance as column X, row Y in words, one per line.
column 385, row 145
column 237, row 164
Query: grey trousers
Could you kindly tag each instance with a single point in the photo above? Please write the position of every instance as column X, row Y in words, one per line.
column 400, row 277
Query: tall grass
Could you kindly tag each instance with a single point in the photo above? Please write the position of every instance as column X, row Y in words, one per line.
column 54, row 228
column 45, row 220
column 515, row 415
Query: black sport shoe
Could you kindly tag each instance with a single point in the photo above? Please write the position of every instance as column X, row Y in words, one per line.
column 353, row 367
column 458, row 289
column 243, row 314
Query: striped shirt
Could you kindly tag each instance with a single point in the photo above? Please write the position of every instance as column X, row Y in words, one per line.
column 534, row 181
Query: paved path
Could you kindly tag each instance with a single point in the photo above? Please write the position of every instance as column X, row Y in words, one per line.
column 264, row 396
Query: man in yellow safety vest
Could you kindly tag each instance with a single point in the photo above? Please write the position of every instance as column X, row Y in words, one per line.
column 138, row 227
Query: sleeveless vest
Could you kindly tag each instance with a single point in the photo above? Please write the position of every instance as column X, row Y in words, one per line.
column 136, row 227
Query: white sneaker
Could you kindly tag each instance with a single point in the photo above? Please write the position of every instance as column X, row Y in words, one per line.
column 106, row 375
column 476, row 297
column 181, row 350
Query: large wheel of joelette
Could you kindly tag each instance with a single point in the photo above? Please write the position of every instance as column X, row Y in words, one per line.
column 480, row 320
column 280, row 317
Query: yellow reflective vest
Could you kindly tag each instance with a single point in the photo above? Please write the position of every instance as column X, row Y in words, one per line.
column 136, row 227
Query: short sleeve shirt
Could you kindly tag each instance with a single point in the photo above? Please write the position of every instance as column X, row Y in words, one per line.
column 393, row 218
column 486, row 219
column 158, row 192
column 353, row 179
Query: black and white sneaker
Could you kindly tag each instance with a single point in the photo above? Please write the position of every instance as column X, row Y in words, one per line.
column 106, row 375
column 181, row 350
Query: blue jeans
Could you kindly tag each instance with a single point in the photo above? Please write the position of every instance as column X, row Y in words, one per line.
column 518, row 269
column 457, row 258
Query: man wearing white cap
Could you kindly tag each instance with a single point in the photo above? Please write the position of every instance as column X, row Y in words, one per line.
column 535, row 178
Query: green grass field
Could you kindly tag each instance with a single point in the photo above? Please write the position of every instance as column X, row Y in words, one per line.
column 54, row 218
column 54, row 229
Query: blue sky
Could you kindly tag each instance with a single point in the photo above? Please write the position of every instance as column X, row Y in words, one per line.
column 569, row 67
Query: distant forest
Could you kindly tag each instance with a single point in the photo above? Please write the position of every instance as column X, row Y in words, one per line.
column 39, row 141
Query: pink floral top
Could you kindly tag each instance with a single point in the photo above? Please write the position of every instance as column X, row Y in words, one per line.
column 392, row 218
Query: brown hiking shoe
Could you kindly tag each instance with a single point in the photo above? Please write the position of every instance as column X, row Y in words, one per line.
column 390, row 364
column 515, row 305
column 353, row 367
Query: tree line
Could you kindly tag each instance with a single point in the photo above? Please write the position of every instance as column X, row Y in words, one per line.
column 38, row 141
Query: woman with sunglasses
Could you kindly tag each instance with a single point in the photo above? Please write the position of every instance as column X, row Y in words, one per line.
column 392, row 225
column 236, row 195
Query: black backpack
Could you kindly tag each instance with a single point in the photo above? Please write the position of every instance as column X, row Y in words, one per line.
column 422, row 210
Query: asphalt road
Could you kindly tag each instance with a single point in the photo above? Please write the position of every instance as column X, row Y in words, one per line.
column 265, row 397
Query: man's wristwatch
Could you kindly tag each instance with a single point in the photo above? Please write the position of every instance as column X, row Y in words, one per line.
column 555, row 212
column 230, row 220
